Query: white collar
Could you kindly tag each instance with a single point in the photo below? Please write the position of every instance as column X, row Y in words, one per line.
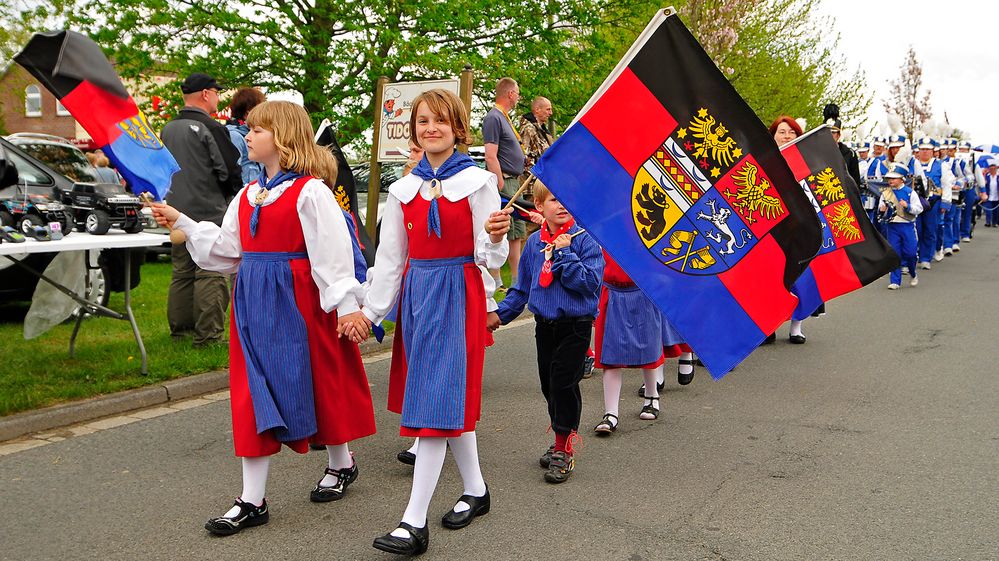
column 454, row 188
column 272, row 194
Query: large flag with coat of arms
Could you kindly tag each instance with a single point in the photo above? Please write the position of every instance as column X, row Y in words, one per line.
column 853, row 254
column 675, row 176
column 76, row 71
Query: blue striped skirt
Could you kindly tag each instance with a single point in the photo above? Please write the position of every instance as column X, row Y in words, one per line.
column 632, row 331
column 275, row 345
column 432, row 320
column 671, row 336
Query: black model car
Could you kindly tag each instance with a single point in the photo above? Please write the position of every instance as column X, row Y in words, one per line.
column 97, row 207
column 20, row 172
column 24, row 210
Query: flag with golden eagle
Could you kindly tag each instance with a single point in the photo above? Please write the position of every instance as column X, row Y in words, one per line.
column 853, row 254
column 675, row 176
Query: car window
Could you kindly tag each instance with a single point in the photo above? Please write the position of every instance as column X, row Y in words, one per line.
column 67, row 160
column 28, row 172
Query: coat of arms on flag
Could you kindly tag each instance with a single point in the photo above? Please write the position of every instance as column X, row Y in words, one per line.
column 852, row 253
column 675, row 176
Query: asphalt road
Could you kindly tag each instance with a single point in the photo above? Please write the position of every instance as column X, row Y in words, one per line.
column 875, row 440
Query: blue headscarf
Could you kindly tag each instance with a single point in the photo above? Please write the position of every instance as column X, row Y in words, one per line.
column 454, row 164
column 266, row 185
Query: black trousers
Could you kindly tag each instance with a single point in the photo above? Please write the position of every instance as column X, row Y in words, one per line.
column 562, row 349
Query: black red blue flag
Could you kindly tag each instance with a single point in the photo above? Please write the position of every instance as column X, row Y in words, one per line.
column 675, row 176
column 345, row 189
column 75, row 70
column 853, row 254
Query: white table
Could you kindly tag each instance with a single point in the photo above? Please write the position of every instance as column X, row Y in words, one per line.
column 81, row 241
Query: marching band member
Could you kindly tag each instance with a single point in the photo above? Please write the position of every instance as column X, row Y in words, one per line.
column 938, row 182
column 899, row 205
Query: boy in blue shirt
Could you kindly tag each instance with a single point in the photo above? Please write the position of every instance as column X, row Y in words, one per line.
column 561, row 270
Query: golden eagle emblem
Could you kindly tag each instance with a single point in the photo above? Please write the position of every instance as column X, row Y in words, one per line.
column 752, row 195
column 844, row 223
column 828, row 187
column 711, row 139
column 341, row 197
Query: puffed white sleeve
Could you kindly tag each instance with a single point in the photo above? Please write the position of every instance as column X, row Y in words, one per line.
column 331, row 251
column 385, row 277
column 213, row 247
column 488, row 255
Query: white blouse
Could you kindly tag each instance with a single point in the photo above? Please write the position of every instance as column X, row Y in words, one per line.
column 384, row 279
column 327, row 241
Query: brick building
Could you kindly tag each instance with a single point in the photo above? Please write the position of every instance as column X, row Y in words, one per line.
column 26, row 106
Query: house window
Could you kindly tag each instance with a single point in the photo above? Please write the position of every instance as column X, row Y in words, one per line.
column 32, row 101
column 61, row 110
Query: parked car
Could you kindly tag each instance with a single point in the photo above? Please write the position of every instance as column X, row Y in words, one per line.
column 21, row 172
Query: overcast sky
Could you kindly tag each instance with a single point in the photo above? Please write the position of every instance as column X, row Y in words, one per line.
column 956, row 41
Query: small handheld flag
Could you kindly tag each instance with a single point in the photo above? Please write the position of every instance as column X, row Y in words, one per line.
column 75, row 70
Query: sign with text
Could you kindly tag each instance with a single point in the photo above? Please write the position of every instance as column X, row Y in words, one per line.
column 397, row 103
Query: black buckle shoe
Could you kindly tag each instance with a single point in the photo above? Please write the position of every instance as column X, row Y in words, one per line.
column 415, row 544
column 477, row 507
column 659, row 388
column 249, row 515
column 406, row 457
column 684, row 379
column 344, row 477
column 797, row 339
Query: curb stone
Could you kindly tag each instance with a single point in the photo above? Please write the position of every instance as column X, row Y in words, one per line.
column 61, row 415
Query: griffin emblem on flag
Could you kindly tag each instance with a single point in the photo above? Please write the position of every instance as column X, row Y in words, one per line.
column 137, row 128
column 693, row 224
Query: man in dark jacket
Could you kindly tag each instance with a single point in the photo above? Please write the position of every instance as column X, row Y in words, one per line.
column 208, row 179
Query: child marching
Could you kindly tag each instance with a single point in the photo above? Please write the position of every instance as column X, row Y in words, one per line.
column 441, row 232
column 560, row 274
column 899, row 206
column 292, row 380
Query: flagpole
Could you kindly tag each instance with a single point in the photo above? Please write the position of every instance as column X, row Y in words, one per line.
column 523, row 187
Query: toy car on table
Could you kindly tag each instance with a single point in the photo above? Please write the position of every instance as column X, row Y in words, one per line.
column 27, row 211
column 98, row 207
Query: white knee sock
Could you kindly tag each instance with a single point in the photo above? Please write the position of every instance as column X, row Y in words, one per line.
column 254, row 482
column 426, row 472
column 339, row 458
column 651, row 375
column 613, row 378
column 796, row 327
column 660, row 377
column 465, row 450
column 414, row 447
column 685, row 368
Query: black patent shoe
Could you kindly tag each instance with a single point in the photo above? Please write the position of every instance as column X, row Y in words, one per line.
column 406, row 457
column 770, row 339
column 249, row 515
column 797, row 339
column 684, row 379
column 659, row 388
column 344, row 477
column 415, row 544
column 477, row 507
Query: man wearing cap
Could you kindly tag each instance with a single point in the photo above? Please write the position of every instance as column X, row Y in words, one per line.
column 864, row 161
column 899, row 205
column 209, row 177
column 971, row 188
column 952, row 226
column 931, row 170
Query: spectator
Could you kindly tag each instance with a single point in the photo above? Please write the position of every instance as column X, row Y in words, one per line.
column 209, row 177
column 101, row 163
column 415, row 155
column 505, row 158
column 535, row 136
column 242, row 101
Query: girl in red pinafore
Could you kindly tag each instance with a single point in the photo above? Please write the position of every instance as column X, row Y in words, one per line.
column 441, row 231
column 293, row 380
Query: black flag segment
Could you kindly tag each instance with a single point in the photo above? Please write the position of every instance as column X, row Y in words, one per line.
column 345, row 190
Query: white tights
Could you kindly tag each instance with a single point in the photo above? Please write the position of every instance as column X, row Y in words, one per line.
column 427, row 471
